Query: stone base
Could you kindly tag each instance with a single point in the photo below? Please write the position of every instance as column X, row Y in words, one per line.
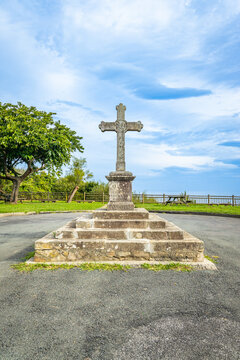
column 119, row 236
column 117, row 205
column 120, row 190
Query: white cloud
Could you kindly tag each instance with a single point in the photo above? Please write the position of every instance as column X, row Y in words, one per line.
column 121, row 16
column 223, row 102
column 61, row 83
column 158, row 157
column 40, row 71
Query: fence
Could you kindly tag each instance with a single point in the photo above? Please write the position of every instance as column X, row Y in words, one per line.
column 57, row 196
column 137, row 198
column 195, row 199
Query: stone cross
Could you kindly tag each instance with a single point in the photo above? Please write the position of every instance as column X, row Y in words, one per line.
column 120, row 126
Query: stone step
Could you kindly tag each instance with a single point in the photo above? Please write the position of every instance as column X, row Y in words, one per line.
column 105, row 250
column 93, row 234
column 115, row 214
column 162, row 234
column 120, row 224
column 119, row 234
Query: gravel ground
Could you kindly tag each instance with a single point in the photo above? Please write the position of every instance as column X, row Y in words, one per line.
column 139, row 314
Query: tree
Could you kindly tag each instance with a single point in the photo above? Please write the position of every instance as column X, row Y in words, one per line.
column 76, row 179
column 32, row 140
column 78, row 174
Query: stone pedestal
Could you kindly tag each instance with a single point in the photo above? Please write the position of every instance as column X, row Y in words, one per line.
column 119, row 236
column 120, row 190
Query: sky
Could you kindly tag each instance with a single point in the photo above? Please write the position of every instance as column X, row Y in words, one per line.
column 175, row 64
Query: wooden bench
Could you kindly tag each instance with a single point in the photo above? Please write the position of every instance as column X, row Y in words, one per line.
column 177, row 200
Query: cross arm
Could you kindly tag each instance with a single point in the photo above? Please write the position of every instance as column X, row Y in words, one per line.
column 107, row 126
column 134, row 126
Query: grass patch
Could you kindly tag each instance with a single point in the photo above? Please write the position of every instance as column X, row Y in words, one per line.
column 29, row 255
column 57, row 206
column 63, row 206
column 212, row 258
column 24, row 267
column 217, row 209
column 171, row 266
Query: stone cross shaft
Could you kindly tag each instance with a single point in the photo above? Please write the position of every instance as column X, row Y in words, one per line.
column 121, row 126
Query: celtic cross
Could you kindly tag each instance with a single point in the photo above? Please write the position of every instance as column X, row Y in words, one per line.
column 120, row 126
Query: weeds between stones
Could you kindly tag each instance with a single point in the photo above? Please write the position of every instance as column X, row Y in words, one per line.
column 24, row 267
column 212, row 258
column 29, row 255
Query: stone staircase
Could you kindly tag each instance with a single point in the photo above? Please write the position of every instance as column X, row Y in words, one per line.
column 119, row 236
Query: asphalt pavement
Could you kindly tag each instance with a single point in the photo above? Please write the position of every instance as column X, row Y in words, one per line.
column 138, row 314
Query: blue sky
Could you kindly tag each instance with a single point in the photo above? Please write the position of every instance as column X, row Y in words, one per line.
column 175, row 64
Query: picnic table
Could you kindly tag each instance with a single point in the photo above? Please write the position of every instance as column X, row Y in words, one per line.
column 177, row 199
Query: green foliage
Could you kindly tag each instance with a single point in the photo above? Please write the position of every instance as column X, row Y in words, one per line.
column 99, row 188
column 78, row 171
column 47, row 181
column 77, row 175
column 28, row 134
column 5, row 186
column 186, row 197
column 25, row 267
column 32, row 140
column 212, row 258
column 29, row 255
column 88, row 187
column 39, row 182
column 170, row 266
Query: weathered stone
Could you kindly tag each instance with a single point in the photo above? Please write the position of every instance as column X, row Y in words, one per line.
column 124, row 254
column 120, row 126
column 141, row 255
column 120, row 233
column 126, row 244
column 160, row 224
column 161, row 234
column 120, row 224
column 120, row 191
column 120, row 181
column 84, row 224
column 102, row 234
column 136, row 214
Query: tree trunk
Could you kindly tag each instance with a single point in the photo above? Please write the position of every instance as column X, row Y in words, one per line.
column 72, row 194
column 15, row 191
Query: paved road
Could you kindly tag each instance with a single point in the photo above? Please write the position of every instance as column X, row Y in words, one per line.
column 120, row 315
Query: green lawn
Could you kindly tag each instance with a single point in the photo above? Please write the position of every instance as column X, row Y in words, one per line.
column 61, row 206
column 39, row 206
column 220, row 209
